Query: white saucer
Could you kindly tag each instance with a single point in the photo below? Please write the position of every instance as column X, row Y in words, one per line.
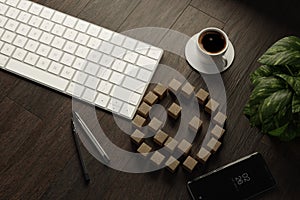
column 203, row 63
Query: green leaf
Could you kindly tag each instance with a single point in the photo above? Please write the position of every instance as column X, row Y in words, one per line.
column 265, row 71
column 274, row 103
column 294, row 82
column 296, row 104
column 265, row 88
column 290, row 133
column 284, row 52
column 279, row 131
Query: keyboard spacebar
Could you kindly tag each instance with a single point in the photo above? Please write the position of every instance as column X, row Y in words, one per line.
column 37, row 75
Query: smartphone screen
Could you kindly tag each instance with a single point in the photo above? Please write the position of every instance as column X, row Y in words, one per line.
column 242, row 179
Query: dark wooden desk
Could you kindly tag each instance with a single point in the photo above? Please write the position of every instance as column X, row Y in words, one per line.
column 38, row 157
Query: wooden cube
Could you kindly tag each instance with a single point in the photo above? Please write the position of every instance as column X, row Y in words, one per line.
column 151, row 98
column 184, row 147
column 154, row 125
column 171, row 144
column 213, row 145
column 211, row 106
column 160, row 137
column 174, row 111
column 217, row 132
column 174, row 86
column 187, row 90
column 138, row 121
column 195, row 124
column 144, row 110
column 203, row 155
column 190, row 163
column 157, row 158
column 160, row 90
column 220, row 118
column 172, row 164
column 137, row 137
column 144, row 149
column 202, row 96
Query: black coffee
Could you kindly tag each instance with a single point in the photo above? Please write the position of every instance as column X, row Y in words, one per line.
column 212, row 41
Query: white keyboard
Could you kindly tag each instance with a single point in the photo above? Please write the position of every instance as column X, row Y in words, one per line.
column 75, row 57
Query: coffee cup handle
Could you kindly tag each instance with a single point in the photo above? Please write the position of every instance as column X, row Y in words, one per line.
column 225, row 61
column 220, row 61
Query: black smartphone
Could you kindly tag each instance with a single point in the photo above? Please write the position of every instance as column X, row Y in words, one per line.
column 239, row 180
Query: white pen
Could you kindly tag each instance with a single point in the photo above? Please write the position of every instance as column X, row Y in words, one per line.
column 92, row 137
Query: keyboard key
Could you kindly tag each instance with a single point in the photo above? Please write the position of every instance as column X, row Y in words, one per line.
column 12, row 13
column 125, row 95
column 82, row 51
column 118, row 52
column 67, row 59
column 31, row 45
column 102, row 100
column 70, row 34
column 127, row 110
column 142, row 48
column 35, row 34
column 82, row 38
column 35, row 21
column 131, row 57
column 19, row 54
column 75, row 89
column 115, row 105
column 144, row 75
column 58, row 42
column 55, row 68
column 47, row 13
column 93, row 30
column 89, row 95
column 70, row 21
column 8, row 36
column 116, row 78
column 104, row 73
column 80, row 77
column 94, row 43
column 43, row 50
column 12, row 2
column 119, row 65
column 3, row 20
column 154, row 53
column 55, row 54
column 23, row 29
column 117, row 39
column 70, row 47
column 31, row 58
column 46, row 38
column 24, row 5
column 3, row 60
column 146, row 62
column 130, row 43
column 82, row 26
column 43, row 63
column 24, row 17
column 134, row 84
column 3, row 8
column 79, row 64
column 20, row 41
column 106, row 61
column 58, row 17
column 58, row 30
column 7, row 49
column 47, row 25
column 35, row 9
column 11, row 25
column 105, row 87
column 38, row 75
column 67, row 72
column 105, row 34
column 92, row 82
column 106, row 47
column 91, row 68
column 94, row 56
column 131, row 70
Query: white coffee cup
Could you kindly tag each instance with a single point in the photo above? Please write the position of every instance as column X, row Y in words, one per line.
column 213, row 42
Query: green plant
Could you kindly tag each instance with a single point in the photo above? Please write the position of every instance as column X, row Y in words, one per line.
column 274, row 105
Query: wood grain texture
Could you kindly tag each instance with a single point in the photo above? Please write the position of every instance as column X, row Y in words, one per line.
column 37, row 153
